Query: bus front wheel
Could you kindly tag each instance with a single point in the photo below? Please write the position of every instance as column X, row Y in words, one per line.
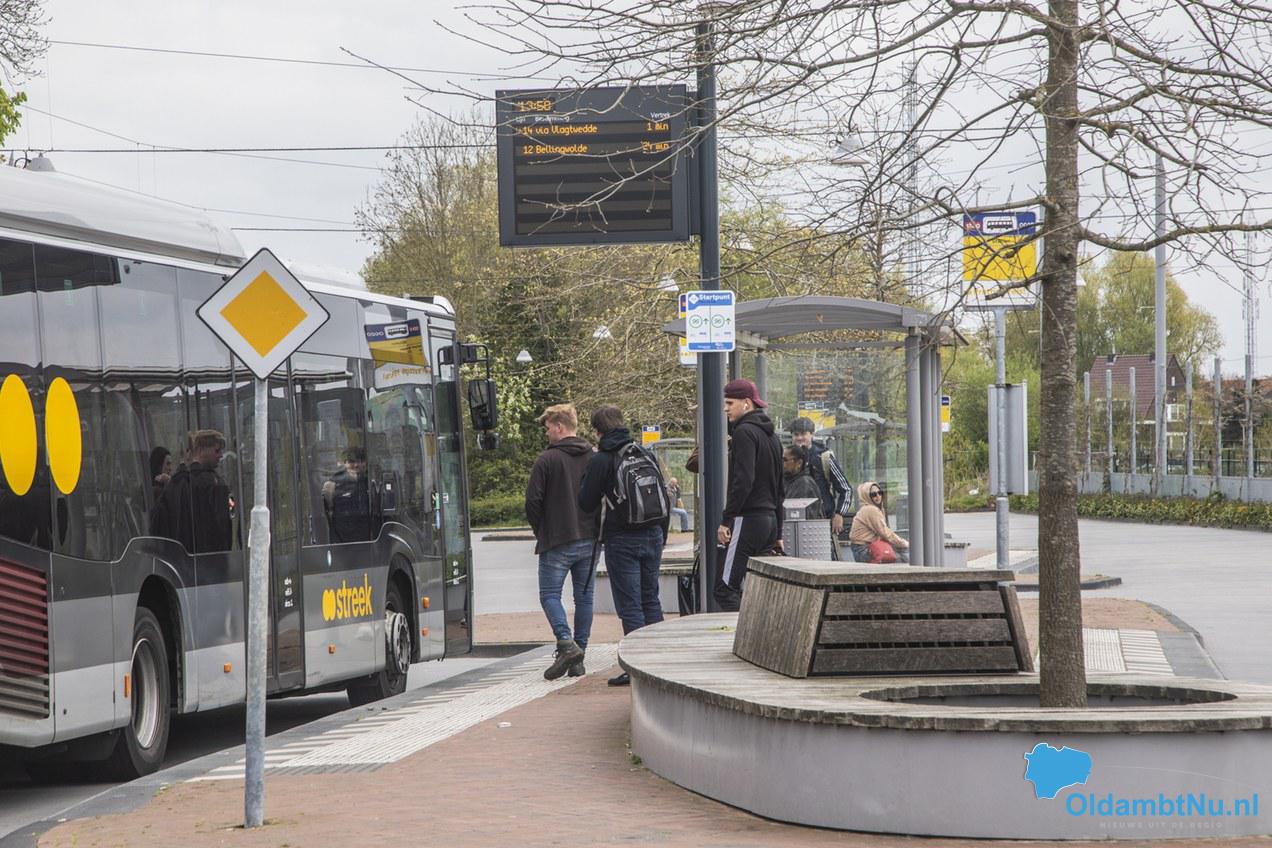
column 391, row 680
column 141, row 744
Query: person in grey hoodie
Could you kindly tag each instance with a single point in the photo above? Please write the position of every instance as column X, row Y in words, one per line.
column 565, row 535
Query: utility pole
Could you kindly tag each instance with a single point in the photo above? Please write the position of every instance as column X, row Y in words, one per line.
column 1159, row 348
column 1252, row 344
column 1000, row 424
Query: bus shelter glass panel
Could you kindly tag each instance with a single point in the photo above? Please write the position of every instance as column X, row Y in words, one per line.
column 856, row 399
column 672, row 454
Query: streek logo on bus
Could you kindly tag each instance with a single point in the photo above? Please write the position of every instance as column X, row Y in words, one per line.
column 347, row 601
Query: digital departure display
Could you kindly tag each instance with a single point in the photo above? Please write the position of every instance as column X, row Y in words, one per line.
column 593, row 166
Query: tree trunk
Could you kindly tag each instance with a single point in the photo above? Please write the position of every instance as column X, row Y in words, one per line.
column 1060, row 600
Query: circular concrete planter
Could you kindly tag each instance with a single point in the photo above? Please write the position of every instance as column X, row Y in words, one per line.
column 1151, row 758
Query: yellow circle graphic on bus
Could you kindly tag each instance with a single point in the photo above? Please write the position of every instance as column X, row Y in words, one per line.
column 62, row 436
column 17, row 435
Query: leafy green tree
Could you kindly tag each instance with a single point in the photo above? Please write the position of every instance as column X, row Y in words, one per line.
column 10, row 117
column 1115, row 315
column 21, row 46
column 590, row 317
column 1117, row 303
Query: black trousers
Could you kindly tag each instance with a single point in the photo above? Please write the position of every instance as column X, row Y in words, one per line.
column 752, row 534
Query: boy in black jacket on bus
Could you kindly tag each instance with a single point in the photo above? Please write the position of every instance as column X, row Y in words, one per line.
column 752, row 521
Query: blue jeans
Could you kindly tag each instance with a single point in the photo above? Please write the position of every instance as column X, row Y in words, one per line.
column 683, row 515
column 633, row 559
column 573, row 558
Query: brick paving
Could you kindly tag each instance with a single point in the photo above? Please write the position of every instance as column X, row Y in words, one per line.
column 559, row 774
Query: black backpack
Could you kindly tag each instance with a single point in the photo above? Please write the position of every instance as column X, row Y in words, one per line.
column 639, row 498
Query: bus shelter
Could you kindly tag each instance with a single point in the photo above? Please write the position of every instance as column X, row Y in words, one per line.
column 868, row 374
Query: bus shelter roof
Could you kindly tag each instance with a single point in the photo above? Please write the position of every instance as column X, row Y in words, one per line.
column 759, row 322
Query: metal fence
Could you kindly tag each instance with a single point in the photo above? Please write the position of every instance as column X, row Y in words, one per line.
column 1218, row 438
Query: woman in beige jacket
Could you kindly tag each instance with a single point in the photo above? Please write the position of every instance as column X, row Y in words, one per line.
column 871, row 524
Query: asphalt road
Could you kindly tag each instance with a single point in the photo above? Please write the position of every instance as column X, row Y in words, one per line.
column 1217, row 581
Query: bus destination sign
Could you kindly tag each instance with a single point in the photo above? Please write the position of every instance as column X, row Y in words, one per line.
column 592, row 166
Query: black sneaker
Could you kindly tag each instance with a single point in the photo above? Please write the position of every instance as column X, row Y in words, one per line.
column 577, row 670
column 623, row 679
column 567, row 654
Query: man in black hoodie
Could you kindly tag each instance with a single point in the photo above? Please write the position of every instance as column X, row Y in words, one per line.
column 565, row 536
column 633, row 555
column 752, row 521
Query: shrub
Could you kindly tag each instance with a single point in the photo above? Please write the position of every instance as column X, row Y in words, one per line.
column 498, row 511
column 1214, row 511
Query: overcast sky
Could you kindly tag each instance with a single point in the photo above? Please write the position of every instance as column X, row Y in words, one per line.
column 103, row 97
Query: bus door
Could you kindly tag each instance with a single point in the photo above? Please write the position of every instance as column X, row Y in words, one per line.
column 286, row 668
column 451, row 499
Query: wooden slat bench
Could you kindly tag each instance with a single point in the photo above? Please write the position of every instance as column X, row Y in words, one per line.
column 805, row 617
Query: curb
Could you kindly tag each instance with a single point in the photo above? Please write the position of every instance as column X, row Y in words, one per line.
column 1098, row 582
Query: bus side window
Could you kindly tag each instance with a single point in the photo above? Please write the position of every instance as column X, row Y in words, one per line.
column 25, row 508
column 68, row 281
column 200, row 503
column 338, row 502
column 145, row 406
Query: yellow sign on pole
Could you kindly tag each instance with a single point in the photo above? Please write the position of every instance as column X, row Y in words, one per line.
column 999, row 247
column 650, row 433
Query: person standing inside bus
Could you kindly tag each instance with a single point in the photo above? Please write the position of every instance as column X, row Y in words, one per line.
column 347, row 498
column 194, row 507
column 633, row 553
column 565, row 536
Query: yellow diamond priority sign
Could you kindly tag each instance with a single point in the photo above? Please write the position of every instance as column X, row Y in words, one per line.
column 263, row 313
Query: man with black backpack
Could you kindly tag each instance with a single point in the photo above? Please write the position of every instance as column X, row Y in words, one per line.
column 625, row 483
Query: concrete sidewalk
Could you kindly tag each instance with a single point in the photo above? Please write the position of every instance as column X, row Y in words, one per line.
column 524, row 762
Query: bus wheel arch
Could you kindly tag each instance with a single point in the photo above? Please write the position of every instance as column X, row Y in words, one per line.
column 141, row 744
column 158, row 596
column 398, row 622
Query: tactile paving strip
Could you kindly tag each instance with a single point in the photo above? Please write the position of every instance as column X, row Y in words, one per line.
column 389, row 736
column 1142, row 650
column 1133, row 651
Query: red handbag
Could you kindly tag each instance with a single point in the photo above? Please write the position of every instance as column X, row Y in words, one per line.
column 881, row 552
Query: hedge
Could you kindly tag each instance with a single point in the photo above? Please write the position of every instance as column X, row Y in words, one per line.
column 1214, row 511
column 498, row 511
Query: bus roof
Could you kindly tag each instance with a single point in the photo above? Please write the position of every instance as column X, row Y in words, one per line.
column 53, row 204
column 45, row 203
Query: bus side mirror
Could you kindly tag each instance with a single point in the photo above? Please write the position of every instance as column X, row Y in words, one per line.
column 482, row 406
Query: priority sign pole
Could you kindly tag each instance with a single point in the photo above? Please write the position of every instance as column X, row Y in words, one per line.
column 258, row 615
column 263, row 314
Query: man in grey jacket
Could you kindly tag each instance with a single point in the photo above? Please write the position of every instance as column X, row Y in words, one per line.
column 565, row 535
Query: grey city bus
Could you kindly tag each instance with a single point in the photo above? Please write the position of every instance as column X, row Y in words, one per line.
column 126, row 479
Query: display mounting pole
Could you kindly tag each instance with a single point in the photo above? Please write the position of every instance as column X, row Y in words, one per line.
column 710, row 365
column 258, row 615
column 1000, row 419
